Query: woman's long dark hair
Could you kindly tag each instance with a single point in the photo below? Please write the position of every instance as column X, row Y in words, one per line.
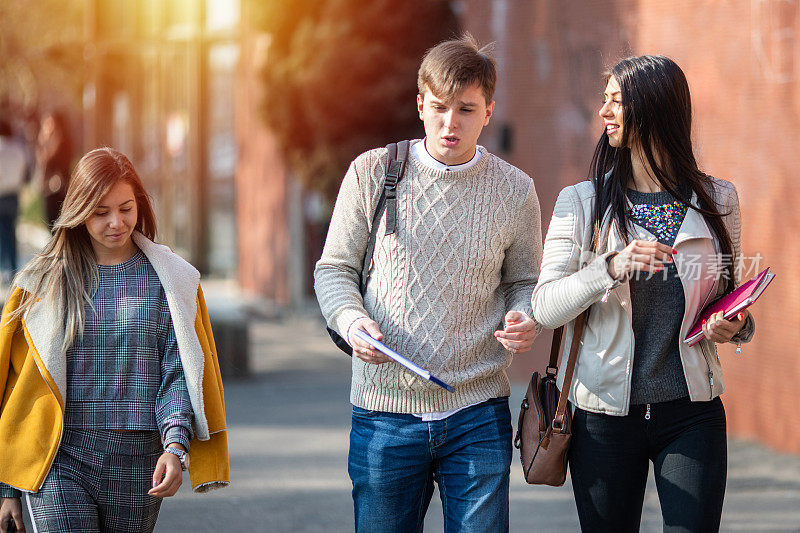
column 657, row 115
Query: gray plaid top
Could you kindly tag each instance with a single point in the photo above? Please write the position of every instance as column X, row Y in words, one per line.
column 125, row 372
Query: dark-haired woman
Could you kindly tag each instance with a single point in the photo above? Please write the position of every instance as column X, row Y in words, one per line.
column 645, row 245
column 108, row 371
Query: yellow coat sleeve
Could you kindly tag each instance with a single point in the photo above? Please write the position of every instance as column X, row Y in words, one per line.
column 209, row 466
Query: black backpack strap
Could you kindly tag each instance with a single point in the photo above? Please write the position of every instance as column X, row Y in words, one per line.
column 398, row 154
column 395, row 167
column 394, row 173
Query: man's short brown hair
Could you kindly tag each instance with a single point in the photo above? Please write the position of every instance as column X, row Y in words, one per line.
column 452, row 66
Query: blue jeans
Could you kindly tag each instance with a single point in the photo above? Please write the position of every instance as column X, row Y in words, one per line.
column 395, row 459
column 609, row 458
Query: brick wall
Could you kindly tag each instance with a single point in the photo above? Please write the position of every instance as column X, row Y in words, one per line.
column 742, row 60
column 262, row 183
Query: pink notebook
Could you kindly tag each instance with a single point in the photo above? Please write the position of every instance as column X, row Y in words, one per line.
column 742, row 298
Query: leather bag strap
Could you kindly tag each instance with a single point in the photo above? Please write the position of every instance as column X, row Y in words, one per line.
column 558, row 419
column 577, row 335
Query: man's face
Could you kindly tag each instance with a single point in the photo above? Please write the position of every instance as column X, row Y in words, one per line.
column 452, row 128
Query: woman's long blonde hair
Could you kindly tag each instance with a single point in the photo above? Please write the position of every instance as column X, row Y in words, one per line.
column 64, row 274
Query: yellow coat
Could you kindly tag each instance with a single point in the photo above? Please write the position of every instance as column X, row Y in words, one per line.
column 33, row 381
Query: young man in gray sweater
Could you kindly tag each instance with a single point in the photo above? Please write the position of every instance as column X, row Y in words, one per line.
column 451, row 290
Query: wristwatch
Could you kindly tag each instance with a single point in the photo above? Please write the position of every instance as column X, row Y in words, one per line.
column 182, row 456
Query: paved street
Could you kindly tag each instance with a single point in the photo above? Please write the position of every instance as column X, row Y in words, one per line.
column 288, row 442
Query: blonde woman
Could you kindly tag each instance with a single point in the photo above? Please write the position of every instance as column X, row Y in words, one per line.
column 108, row 368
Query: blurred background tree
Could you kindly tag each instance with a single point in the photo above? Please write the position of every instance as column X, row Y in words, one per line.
column 41, row 52
column 341, row 77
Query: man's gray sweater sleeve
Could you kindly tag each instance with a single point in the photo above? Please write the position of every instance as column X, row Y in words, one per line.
column 336, row 276
column 524, row 257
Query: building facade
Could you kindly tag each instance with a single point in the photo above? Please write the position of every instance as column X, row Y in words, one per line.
column 160, row 80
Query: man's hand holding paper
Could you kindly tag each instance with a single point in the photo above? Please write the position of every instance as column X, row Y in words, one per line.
column 362, row 349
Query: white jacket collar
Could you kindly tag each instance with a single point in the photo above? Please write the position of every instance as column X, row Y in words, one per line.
column 180, row 280
column 694, row 226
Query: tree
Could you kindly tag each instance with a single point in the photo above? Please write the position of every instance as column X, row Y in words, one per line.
column 341, row 77
column 41, row 53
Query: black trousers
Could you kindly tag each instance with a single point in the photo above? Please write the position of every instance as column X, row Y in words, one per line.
column 609, row 461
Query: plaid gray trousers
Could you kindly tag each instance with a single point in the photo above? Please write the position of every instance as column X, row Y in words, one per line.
column 98, row 483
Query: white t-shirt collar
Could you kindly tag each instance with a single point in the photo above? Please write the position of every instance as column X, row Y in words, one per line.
column 419, row 151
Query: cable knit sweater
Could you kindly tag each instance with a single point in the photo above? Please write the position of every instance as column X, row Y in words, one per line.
column 466, row 250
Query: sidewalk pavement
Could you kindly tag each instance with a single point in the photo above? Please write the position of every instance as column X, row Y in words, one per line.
column 288, row 436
